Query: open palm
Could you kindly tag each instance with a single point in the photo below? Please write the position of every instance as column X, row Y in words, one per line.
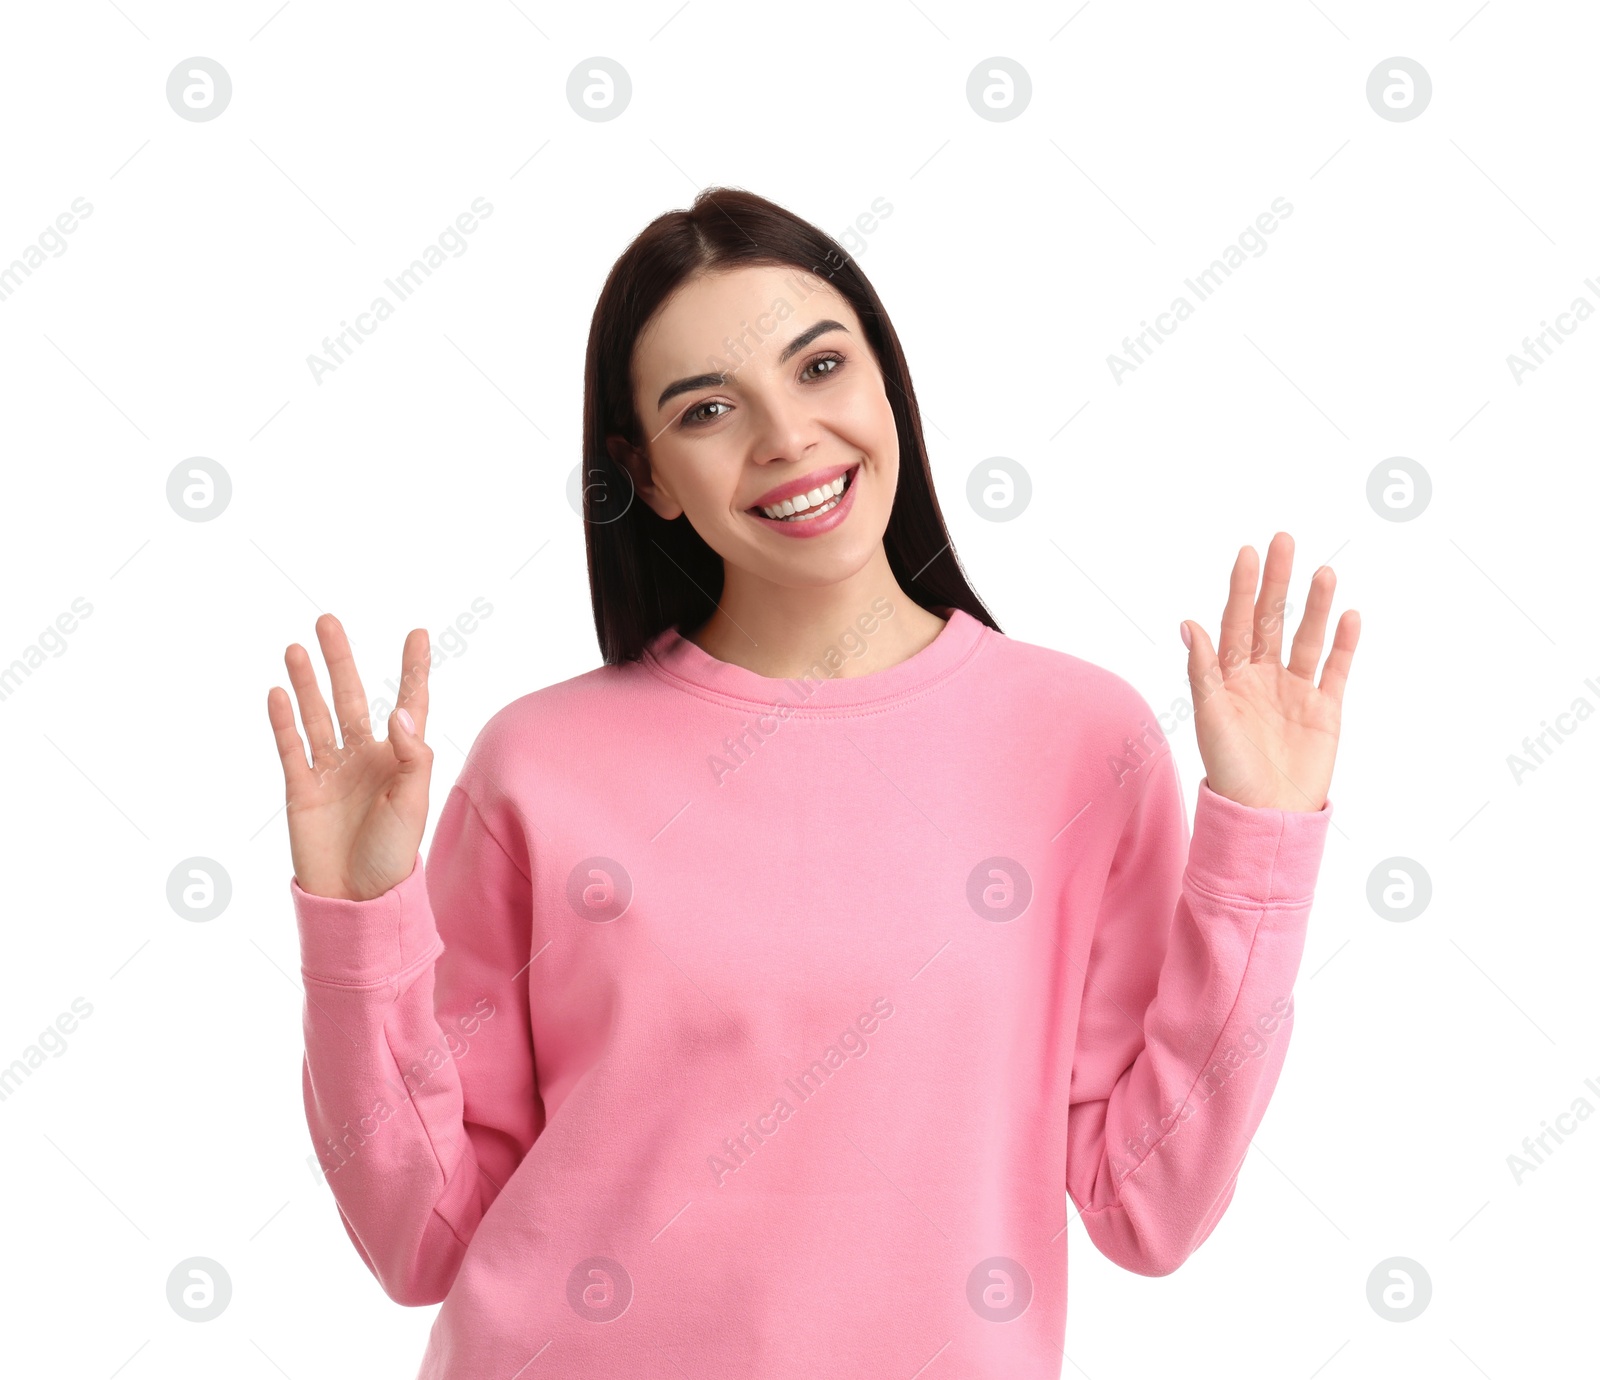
column 1268, row 732
column 357, row 811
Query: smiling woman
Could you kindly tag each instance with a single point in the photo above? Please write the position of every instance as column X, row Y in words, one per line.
column 728, row 371
column 671, row 906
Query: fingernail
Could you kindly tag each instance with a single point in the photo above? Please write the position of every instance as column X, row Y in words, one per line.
column 406, row 719
column 1183, row 632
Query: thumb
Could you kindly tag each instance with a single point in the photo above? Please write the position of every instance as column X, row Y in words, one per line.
column 1205, row 672
column 413, row 767
column 410, row 751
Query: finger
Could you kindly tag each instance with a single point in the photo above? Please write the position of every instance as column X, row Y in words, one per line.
column 349, row 699
column 1337, row 669
column 1204, row 673
column 1313, row 630
column 1268, row 641
column 414, row 664
column 291, row 750
column 415, row 761
column 313, row 712
column 409, row 749
column 1233, row 644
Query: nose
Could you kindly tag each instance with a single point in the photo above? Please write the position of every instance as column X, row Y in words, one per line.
column 786, row 425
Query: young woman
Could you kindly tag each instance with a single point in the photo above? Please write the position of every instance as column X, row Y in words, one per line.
column 766, row 985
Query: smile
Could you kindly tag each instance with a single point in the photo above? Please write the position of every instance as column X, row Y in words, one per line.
column 809, row 506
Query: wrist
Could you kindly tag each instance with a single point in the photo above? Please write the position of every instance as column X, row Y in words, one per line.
column 1289, row 801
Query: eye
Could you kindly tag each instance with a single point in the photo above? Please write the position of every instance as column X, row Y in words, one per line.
column 693, row 417
column 836, row 360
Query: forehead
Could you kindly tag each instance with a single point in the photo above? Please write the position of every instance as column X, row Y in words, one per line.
column 741, row 310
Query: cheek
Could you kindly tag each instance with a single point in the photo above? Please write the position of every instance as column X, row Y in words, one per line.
column 864, row 415
column 704, row 481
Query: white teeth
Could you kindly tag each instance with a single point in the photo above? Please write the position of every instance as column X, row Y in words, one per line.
column 814, row 498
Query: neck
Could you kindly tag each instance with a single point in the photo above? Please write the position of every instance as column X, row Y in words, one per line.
column 782, row 630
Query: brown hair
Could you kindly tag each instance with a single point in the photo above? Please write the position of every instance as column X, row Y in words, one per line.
column 647, row 574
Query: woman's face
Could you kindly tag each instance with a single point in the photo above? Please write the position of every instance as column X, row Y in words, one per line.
column 753, row 385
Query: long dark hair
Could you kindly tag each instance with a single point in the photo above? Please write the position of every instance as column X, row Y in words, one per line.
column 647, row 574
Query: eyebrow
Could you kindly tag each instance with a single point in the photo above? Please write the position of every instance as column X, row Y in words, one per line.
column 688, row 385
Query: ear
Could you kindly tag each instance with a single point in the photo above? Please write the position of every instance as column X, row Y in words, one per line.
column 636, row 463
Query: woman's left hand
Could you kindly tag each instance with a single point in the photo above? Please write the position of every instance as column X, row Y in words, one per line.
column 1267, row 732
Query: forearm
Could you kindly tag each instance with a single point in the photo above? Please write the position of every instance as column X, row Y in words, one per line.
column 1157, row 1160
column 375, row 1056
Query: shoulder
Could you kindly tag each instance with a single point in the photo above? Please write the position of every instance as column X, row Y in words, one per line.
column 560, row 729
column 582, row 706
column 1093, row 697
column 1087, row 724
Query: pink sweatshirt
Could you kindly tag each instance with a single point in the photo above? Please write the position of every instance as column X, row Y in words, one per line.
column 752, row 1027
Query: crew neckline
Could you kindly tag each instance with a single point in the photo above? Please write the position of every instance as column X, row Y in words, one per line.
column 671, row 655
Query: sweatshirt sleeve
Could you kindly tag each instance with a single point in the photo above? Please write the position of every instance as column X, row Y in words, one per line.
column 419, row 1081
column 1186, row 1014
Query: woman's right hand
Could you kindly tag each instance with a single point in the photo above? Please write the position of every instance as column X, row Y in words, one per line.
column 357, row 812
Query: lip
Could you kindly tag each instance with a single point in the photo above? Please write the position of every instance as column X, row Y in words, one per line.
column 817, row 526
column 803, row 485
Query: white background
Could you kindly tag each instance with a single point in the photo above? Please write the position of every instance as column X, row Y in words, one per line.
column 431, row 470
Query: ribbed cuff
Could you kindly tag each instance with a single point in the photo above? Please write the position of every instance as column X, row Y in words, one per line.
column 364, row 943
column 1258, row 854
